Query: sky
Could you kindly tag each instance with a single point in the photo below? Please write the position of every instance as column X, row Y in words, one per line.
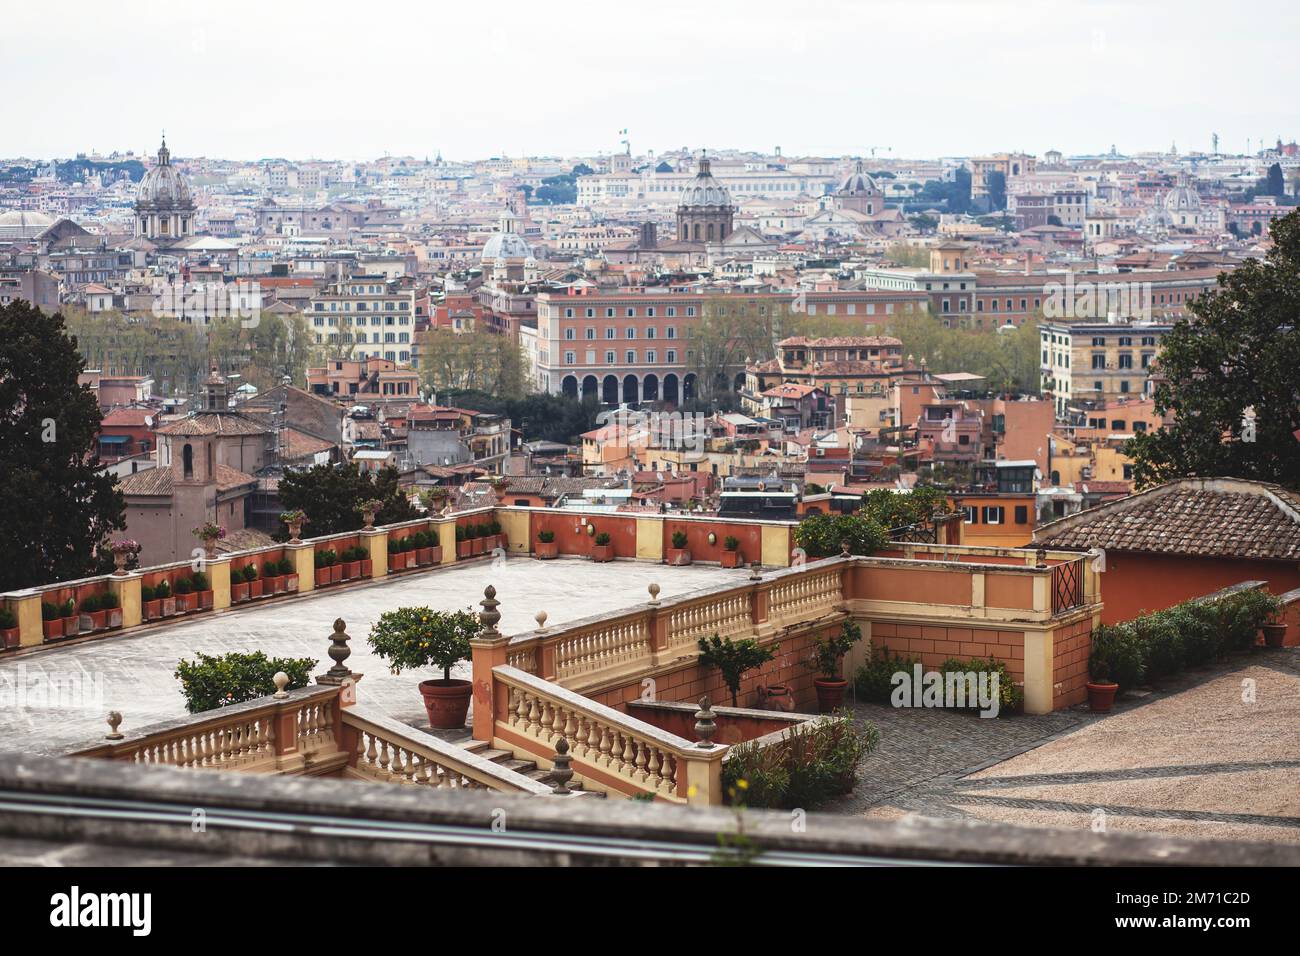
column 895, row 79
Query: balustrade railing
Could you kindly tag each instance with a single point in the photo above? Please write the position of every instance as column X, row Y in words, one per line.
column 729, row 615
column 622, row 641
column 388, row 751
column 612, row 750
column 808, row 594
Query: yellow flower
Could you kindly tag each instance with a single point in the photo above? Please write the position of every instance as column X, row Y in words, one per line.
column 743, row 784
column 691, row 790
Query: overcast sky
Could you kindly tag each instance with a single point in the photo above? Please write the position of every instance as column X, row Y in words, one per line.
column 357, row 80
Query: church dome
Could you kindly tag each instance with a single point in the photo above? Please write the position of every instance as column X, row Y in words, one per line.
column 858, row 183
column 506, row 245
column 1182, row 198
column 704, row 190
column 163, row 187
column 23, row 224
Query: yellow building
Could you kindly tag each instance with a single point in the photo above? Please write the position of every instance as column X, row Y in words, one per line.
column 1097, row 362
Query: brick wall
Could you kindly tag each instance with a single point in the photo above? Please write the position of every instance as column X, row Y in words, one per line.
column 1071, row 646
column 934, row 645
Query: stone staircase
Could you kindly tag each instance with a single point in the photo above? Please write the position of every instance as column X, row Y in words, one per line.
column 528, row 768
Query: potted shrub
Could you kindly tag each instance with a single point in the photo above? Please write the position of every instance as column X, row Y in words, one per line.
column 733, row 659
column 8, row 628
column 151, row 607
column 423, row 548
column 71, row 620
column 435, row 546
column 494, row 529
column 336, row 569
column 93, row 615
column 290, row 572
column 202, row 590
column 1115, row 664
column 463, row 545
column 1261, row 610
column 394, row 549
column 253, row 580
column 365, row 566
column 51, row 621
column 294, row 520
column 547, row 546
column 185, row 600
column 601, row 549
column 411, row 637
column 323, row 568
column 272, row 579
column 238, row 586
column 166, row 600
column 677, row 554
column 112, row 607
column 731, row 556
column 828, row 661
column 477, row 543
column 351, row 564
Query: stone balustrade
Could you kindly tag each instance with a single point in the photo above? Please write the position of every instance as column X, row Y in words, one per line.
column 609, row 750
column 385, row 750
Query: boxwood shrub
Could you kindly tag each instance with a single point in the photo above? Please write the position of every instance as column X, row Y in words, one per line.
column 809, row 766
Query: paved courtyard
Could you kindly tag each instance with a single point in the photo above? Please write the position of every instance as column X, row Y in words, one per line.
column 133, row 672
column 1214, row 755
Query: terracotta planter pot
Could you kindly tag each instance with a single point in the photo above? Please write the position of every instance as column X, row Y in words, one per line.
column 678, row 556
column 352, row 569
column 462, row 549
column 10, row 637
column 546, row 550
column 114, row 617
column 152, row 610
column 94, row 620
column 186, row 602
column 365, row 568
column 273, row 584
column 336, row 573
column 168, row 606
column 1101, row 697
column 446, row 702
column 732, row 559
column 602, row 552
column 830, row 693
column 777, row 697
column 52, row 629
column 71, row 625
column 424, row 555
column 204, row 600
column 239, row 593
column 322, row 577
column 435, row 555
column 255, row 588
column 477, row 546
column 290, row 583
column 1274, row 634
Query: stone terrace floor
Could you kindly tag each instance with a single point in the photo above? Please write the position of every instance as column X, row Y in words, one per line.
column 1194, row 759
column 135, row 669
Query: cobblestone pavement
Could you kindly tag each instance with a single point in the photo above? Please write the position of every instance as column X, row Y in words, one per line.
column 1214, row 755
column 133, row 672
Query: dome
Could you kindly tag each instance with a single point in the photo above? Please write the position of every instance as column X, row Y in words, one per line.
column 1182, row 198
column 23, row 224
column 704, row 190
column 858, row 183
column 163, row 186
column 506, row 245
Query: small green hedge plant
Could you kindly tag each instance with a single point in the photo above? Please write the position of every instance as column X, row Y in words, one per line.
column 211, row 681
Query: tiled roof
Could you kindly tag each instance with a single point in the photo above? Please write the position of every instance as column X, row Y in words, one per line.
column 548, row 486
column 213, row 423
column 157, row 482
column 1205, row 517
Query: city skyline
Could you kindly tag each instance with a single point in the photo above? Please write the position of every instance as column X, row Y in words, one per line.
column 570, row 81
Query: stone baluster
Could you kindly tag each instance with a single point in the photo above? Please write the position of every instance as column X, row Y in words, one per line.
column 562, row 773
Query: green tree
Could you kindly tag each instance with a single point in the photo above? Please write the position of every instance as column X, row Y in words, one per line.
column 734, row 658
column 329, row 495
column 60, row 507
column 1230, row 375
column 1275, row 185
column 473, row 361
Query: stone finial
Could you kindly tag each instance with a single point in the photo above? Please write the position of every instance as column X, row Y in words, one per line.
column 562, row 773
column 1040, row 556
column 489, row 617
column 844, row 548
column 755, row 571
column 540, row 618
column 339, row 651
column 654, row 593
column 281, row 680
column 705, row 727
column 114, row 721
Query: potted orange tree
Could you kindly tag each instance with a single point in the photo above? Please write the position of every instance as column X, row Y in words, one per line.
column 547, row 546
column 731, row 556
column 677, row 554
column 412, row 637
column 602, row 549
column 828, row 661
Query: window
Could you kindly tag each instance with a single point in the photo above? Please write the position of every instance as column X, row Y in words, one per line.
column 972, row 514
column 610, row 332
column 569, row 334
column 1022, row 514
column 1098, row 361
column 672, row 331
column 591, row 334
column 570, row 358
column 609, row 357
column 631, row 357
column 993, row 514
column 1126, row 360
column 670, row 356
column 631, row 333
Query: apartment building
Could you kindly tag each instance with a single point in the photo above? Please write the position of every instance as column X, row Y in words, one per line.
column 369, row 377
column 1097, row 362
column 366, row 316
